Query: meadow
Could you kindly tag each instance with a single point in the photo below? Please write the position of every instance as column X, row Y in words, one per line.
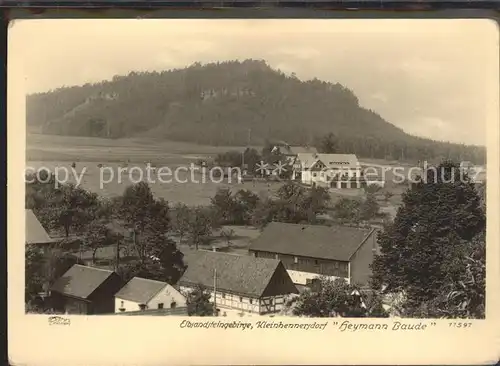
column 88, row 153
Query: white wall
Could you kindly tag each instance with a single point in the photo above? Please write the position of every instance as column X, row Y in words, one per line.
column 300, row 278
column 167, row 296
column 128, row 305
column 232, row 304
column 324, row 176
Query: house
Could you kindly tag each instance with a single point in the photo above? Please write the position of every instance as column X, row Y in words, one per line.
column 244, row 285
column 36, row 233
column 291, row 152
column 331, row 170
column 144, row 294
column 310, row 251
column 86, row 290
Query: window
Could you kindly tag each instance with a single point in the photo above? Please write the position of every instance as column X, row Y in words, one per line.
column 316, row 262
column 173, row 305
column 160, row 305
column 241, row 299
column 223, row 296
column 270, row 301
column 251, row 301
column 315, row 174
column 122, row 304
column 296, row 260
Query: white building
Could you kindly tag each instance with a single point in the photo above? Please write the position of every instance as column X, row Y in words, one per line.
column 244, row 285
column 330, row 170
column 143, row 294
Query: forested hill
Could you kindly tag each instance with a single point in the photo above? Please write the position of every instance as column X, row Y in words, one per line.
column 227, row 103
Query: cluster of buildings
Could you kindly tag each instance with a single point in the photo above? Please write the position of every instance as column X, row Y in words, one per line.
column 285, row 260
column 326, row 170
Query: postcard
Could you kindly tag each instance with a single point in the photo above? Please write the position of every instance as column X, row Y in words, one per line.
column 253, row 191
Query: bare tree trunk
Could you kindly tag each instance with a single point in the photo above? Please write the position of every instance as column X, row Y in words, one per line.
column 94, row 252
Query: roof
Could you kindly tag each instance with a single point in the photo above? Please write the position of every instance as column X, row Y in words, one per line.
column 81, row 281
column 140, row 290
column 294, row 150
column 35, row 232
column 239, row 274
column 314, row 241
column 307, row 160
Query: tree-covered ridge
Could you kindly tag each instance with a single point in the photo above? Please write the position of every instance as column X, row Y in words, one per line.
column 229, row 103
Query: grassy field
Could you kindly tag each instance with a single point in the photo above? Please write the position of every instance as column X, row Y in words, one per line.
column 93, row 149
column 87, row 152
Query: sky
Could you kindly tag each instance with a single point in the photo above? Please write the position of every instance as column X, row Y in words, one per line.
column 428, row 77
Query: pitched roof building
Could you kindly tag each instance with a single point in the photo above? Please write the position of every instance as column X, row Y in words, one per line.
column 288, row 150
column 86, row 290
column 35, row 232
column 243, row 283
column 308, row 251
column 145, row 294
column 333, row 170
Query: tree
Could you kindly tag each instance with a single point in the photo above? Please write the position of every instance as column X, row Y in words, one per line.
column 180, row 216
column 198, row 302
column 252, row 158
column 347, row 209
column 61, row 206
column 60, row 263
column 332, row 298
column 369, row 208
column 35, row 277
column 99, row 235
column 463, row 294
column 263, row 213
column 294, row 204
column 247, row 202
column 228, row 234
column 422, row 251
column 200, row 226
column 225, row 207
column 144, row 216
column 315, row 202
column 328, row 144
column 388, row 195
column 39, row 190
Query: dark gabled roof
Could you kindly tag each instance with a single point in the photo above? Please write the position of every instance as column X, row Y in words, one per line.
column 238, row 274
column 35, row 232
column 314, row 241
column 140, row 290
column 81, row 281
